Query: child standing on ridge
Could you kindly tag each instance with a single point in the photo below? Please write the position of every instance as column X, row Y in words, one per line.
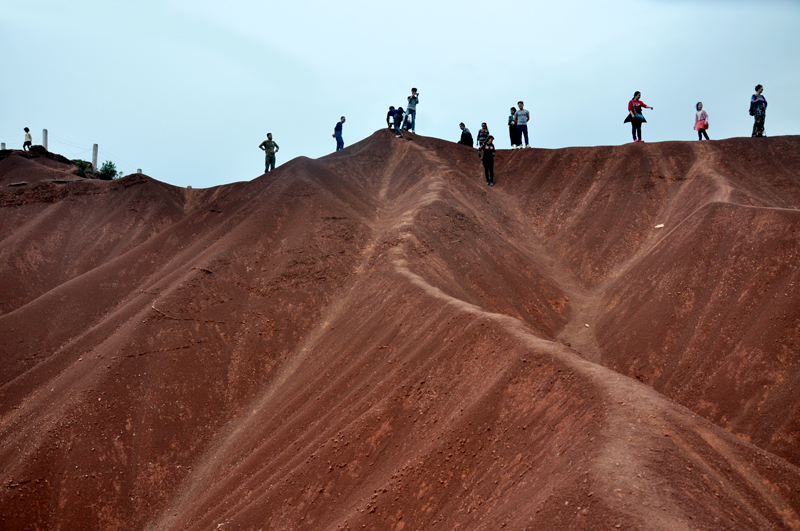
column 486, row 154
column 522, row 117
column 26, row 146
column 701, row 122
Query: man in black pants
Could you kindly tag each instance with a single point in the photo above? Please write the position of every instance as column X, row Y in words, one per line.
column 486, row 153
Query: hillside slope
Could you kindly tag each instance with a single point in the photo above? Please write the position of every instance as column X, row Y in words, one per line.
column 376, row 339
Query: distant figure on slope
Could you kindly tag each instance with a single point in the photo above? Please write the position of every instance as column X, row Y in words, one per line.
column 270, row 148
column 758, row 109
column 635, row 116
column 337, row 134
column 513, row 132
column 701, row 122
column 466, row 136
column 483, row 134
column 26, row 145
column 486, row 153
column 397, row 118
column 411, row 117
column 522, row 118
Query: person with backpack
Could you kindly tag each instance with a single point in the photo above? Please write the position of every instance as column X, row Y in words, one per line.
column 758, row 109
column 522, row 118
column 411, row 116
column 483, row 134
column 513, row 133
column 337, row 134
column 701, row 121
column 270, row 148
column 635, row 116
column 466, row 136
column 486, row 153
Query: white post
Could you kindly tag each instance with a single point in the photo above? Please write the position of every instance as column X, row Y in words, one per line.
column 44, row 138
column 94, row 157
column 2, row 145
column 138, row 170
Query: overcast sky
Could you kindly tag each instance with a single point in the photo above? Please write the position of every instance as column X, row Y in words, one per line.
column 187, row 89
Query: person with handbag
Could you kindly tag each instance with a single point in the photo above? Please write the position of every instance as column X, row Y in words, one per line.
column 758, row 109
column 635, row 116
column 701, row 122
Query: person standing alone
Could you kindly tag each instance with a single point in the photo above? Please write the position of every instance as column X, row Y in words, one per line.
column 635, row 116
column 412, row 109
column 701, row 121
column 758, row 109
column 337, row 134
column 270, row 148
column 522, row 117
column 26, row 146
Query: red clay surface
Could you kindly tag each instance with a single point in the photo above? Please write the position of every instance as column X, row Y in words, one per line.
column 378, row 340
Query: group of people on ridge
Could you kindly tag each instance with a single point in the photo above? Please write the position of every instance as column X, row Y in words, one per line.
column 758, row 109
column 399, row 118
column 405, row 119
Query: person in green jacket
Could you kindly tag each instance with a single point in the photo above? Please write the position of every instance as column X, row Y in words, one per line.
column 270, row 147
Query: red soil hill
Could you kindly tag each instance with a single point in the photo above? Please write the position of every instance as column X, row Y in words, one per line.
column 377, row 340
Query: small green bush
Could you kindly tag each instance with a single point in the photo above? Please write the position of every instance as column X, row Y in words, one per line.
column 83, row 167
column 108, row 171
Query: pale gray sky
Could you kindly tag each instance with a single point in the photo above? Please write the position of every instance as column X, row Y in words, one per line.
column 186, row 90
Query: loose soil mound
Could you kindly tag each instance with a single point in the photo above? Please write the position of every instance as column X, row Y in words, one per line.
column 378, row 340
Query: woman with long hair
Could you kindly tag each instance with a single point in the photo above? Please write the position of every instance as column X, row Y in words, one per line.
column 635, row 116
column 701, row 122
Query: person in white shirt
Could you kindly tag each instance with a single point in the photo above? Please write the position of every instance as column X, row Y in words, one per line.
column 26, row 146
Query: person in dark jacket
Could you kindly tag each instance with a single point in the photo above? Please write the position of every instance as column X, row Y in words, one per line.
column 337, row 134
column 466, row 136
column 513, row 132
column 389, row 116
column 397, row 119
column 486, row 153
column 758, row 109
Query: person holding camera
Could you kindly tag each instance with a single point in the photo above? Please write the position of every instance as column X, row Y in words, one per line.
column 411, row 110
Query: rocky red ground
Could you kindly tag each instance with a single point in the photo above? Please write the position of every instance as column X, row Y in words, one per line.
column 378, row 340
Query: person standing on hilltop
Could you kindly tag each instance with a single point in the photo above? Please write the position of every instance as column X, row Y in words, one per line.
column 635, row 116
column 26, row 145
column 486, row 154
column 337, row 134
column 483, row 134
column 513, row 133
column 412, row 109
column 758, row 109
column 701, row 122
column 522, row 117
column 466, row 136
column 270, row 148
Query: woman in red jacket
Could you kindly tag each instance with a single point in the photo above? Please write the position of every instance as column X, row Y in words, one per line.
column 635, row 116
